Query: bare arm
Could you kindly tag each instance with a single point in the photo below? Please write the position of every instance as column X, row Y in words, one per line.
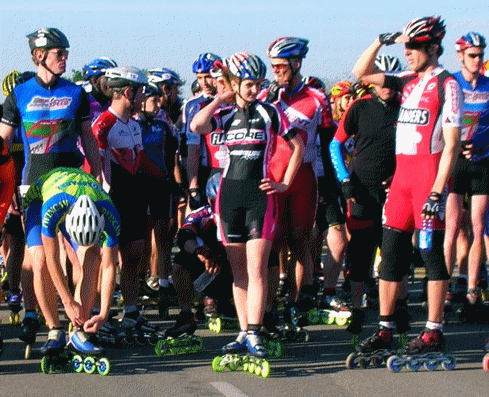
column 7, row 133
column 90, row 147
column 448, row 158
column 193, row 159
column 108, row 269
column 201, row 123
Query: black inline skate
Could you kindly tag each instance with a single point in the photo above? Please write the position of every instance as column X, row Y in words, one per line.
column 375, row 350
column 220, row 315
column 14, row 301
column 293, row 330
column 426, row 350
column 356, row 325
column 180, row 338
column 30, row 327
column 137, row 332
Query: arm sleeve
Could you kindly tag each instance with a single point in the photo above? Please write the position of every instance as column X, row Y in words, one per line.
column 11, row 114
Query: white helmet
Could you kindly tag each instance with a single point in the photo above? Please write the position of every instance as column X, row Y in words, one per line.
column 84, row 223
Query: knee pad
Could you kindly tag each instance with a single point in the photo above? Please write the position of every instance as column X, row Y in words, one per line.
column 396, row 254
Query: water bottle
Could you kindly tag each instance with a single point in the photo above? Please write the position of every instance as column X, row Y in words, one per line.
column 203, row 281
column 426, row 235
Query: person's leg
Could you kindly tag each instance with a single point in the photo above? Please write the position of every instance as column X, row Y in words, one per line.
column 453, row 218
column 86, row 289
column 130, row 255
column 476, row 253
column 237, row 259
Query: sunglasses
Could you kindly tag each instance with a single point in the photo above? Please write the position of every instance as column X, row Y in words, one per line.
column 474, row 56
column 413, row 46
column 279, row 67
column 60, row 53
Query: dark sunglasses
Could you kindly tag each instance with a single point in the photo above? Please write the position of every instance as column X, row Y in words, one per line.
column 413, row 46
column 280, row 67
column 60, row 53
column 473, row 56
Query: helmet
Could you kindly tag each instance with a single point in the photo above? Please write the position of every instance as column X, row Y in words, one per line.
column 212, row 186
column 424, row 30
column 98, row 67
column 124, row 76
column 471, row 39
column 203, row 63
column 9, row 82
column 387, row 63
column 165, row 76
column 151, row 89
column 247, row 66
column 341, row 88
column 217, row 68
column 195, row 87
column 314, row 82
column 47, row 38
column 360, row 89
column 83, row 222
column 288, row 47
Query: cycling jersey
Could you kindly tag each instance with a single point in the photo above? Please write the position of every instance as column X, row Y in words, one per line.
column 49, row 199
column 427, row 106
column 7, row 180
column 50, row 117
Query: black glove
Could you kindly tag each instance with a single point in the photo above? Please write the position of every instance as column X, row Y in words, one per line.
column 273, row 90
column 347, row 189
column 195, row 200
column 433, row 206
column 389, row 38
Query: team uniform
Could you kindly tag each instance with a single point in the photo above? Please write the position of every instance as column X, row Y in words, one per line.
column 49, row 199
column 7, row 180
column 49, row 117
column 245, row 211
column 427, row 106
column 472, row 177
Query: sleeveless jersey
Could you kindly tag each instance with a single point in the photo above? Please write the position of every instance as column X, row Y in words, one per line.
column 50, row 120
column 59, row 189
column 427, row 106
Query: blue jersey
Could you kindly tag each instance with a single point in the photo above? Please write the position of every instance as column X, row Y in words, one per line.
column 155, row 139
column 49, row 118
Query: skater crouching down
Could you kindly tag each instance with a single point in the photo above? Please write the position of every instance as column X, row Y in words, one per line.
column 71, row 201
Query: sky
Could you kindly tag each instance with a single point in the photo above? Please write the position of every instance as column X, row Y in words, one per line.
column 150, row 34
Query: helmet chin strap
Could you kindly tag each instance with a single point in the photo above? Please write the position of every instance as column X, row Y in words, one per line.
column 43, row 63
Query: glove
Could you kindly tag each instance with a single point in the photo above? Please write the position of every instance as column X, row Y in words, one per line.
column 273, row 90
column 389, row 38
column 195, row 200
column 433, row 207
column 347, row 189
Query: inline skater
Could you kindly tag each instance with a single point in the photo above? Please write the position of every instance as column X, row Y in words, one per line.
column 120, row 142
column 198, row 167
column 51, row 114
column 371, row 121
column 471, row 175
column 247, row 197
column 309, row 112
column 427, row 144
column 71, row 201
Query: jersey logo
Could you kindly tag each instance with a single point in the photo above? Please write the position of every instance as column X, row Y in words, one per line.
column 250, row 136
column 235, row 122
column 52, row 103
column 414, row 116
column 217, row 138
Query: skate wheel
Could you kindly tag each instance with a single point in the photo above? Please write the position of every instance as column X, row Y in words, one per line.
column 265, row 369
column 485, row 363
column 351, row 361
column 313, row 317
column 103, row 366
column 305, row 335
column 394, row 363
column 45, row 364
column 278, row 349
column 258, row 370
column 431, row 363
column 364, row 362
column 246, row 366
column 449, row 363
column 377, row 362
column 328, row 319
column 413, row 365
column 216, row 364
column 89, row 365
column 218, row 325
column 341, row 321
column 28, row 351
column 77, row 363
column 251, row 367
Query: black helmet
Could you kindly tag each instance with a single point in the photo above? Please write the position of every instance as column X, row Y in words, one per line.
column 47, row 38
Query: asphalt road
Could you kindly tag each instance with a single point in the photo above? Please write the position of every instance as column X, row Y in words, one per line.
column 316, row 368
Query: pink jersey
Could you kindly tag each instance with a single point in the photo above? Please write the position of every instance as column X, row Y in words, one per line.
column 427, row 106
column 307, row 110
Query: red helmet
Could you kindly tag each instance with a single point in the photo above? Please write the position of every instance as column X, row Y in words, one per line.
column 424, row 30
column 341, row 88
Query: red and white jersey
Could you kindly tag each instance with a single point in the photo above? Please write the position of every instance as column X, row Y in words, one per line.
column 427, row 106
column 120, row 141
column 307, row 110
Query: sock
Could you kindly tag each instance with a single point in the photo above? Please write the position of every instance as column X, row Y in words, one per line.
column 433, row 326
column 387, row 321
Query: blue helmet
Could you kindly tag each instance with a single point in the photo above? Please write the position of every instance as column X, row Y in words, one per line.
column 97, row 67
column 471, row 39
column 247, row 66
column 288, row 47
column 164, row 76
column 203, row 63
column 151, row 89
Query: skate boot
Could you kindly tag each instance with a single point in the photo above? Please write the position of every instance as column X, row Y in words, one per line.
column 180, row 338
column 271, row 335
column 214, row 323
column 238, row 345
column 402, row 320
column 30, row 326
column 166, row 300
column 185, row 324
column 149, row 289
column 107, row 336
column 356, row 324
column 138, row 331
column 15, row 306
column 55, row 344
column 473, row 296
column 255, row 346
column 427, row 350
column 292, row 330
column 375, row 350
column 332, row 310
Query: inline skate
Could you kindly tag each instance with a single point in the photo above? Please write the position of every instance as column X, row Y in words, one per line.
column 217, row 320
column 332, row 310
column 15, row 306
column 356, row 325
column 426, row 350
column 30, row 327
column 180, row 338
column 137, row 332
column 292, row 329
column 374, row 350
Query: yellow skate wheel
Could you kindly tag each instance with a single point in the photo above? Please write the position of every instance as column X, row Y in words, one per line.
column 77, row 363
column 341, row 321
column 11, row 319
column 103, row 366
column 265, row 369
column 258, row 370
column 216, row 364
column 251, row 367
column 28, row 351
column 218, row 325
column 45, row 364
column 89, row 365
column 246, row 365
column 328, row 318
